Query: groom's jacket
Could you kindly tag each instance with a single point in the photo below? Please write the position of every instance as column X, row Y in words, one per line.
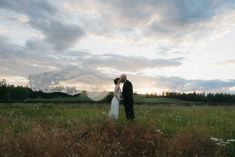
column 127, row 93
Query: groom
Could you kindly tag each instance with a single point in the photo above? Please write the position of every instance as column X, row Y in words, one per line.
column 127, row 94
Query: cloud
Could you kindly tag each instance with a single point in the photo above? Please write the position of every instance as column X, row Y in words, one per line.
column 7, row 48
column 227, row 62
column 88, row 71
column 61, row 36
column 63, row 24
column 58, row 27
column 172, row 12
column 128, row 63
column 24, row 60
column 184, row 85
column 38, row 57
column 174, row 20
column 32, row 8
column 46, row 18
column 114, row 62
column 94, row 72
column 15, row 66
column 143, row 83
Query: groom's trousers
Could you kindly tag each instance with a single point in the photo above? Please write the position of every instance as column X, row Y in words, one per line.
column 129, row 111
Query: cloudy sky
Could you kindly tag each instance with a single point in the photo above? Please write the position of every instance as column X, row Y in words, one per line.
column 175, row 45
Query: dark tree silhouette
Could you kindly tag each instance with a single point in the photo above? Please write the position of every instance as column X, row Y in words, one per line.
column 20, row 93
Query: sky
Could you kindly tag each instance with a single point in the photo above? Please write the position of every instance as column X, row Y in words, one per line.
column 162, row 45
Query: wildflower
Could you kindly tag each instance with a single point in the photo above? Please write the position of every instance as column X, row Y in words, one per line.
column 221, row 142
column 159, row 131
column 231, row 140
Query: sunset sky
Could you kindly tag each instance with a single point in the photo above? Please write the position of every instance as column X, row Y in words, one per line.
column 173, row 45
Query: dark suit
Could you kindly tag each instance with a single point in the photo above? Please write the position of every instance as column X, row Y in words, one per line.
column 128, row 100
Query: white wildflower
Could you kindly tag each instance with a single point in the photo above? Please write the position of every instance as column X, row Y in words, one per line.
column 230, row 140
column 159, row 131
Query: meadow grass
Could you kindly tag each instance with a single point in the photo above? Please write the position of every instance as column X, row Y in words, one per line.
column 85, row 130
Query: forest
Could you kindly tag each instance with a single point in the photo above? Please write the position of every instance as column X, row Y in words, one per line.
column 21, row 93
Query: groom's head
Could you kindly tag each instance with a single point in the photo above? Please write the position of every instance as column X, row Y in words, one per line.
column 123, row 78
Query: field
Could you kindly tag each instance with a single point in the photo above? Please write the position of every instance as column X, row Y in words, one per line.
column 85, row 99
column 47, row 129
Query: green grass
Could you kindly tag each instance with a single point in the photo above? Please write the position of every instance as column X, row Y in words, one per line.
column 174, row 122
column 158, row 100
column 219, row 121
column 85, row 99
column 76, row 99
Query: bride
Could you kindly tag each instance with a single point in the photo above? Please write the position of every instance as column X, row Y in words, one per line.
column 114, row 110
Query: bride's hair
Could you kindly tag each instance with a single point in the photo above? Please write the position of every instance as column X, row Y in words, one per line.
column 116, row 80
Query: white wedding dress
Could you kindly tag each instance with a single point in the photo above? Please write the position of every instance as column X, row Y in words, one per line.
column 114, row 110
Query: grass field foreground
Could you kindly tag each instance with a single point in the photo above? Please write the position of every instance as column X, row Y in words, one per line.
column 85, row 130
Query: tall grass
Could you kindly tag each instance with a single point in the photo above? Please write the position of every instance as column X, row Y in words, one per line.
column 85, row 130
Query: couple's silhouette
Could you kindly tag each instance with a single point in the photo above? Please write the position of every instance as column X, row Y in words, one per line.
column 126, row 96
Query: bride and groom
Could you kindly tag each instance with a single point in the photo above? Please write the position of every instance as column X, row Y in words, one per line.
column 126, row 96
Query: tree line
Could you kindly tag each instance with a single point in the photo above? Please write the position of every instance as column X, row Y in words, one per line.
column 11, row 92
column 197, row 97
column 20, row 93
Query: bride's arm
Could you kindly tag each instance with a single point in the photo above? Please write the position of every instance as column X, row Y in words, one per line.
column 115, row 92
